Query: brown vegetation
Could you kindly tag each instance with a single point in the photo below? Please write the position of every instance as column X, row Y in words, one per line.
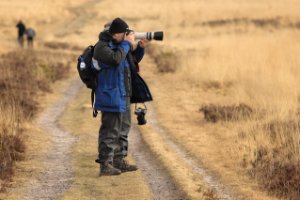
column 276, row 166
column 24, row 75
column 166, row 60
column 12, row 148
column 262, row 62
column 215, row 113
column 62, row 45
column 274, row 22
column 238, row 51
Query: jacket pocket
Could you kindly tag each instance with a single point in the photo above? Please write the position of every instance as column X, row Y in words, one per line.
column 110, row 97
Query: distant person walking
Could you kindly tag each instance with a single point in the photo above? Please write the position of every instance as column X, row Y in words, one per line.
column 21, row 31
column 30, row 36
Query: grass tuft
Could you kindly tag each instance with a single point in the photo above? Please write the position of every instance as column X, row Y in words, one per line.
column 215, row 113
column 24, row 75
column 166, row 60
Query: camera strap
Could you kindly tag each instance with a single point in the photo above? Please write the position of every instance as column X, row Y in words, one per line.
column 95, row 112
column 144, row 106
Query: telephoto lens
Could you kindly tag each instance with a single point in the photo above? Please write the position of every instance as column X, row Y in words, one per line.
column 158, row 35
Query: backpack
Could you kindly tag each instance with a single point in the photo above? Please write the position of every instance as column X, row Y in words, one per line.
column 85, row 68
column 87, row 74
column 30, row 32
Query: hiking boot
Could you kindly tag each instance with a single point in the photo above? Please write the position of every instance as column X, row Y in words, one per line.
column 108, row 170
column 123, row 165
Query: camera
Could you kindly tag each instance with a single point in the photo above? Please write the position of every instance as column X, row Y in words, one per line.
column 141, row 112
column 159, row 35
column 156, row 35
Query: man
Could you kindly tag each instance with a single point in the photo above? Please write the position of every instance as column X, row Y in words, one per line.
column 21, row 31
column 116, row 65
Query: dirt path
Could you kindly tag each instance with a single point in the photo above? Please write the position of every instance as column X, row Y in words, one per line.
column 222, row 191
column 158, row 180
column 57, row 177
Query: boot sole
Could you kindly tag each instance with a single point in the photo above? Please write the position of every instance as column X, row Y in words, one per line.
column 123, row 171
column 110, row 174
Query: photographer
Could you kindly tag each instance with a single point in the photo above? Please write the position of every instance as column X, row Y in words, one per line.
column 117, row 73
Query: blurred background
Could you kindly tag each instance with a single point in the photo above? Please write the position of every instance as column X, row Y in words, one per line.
column 226, row 74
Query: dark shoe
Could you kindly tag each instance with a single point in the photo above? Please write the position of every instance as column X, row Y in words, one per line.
column 123, row 165
column 108, row 170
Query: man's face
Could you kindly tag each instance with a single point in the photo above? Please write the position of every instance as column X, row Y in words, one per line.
column 119, row 37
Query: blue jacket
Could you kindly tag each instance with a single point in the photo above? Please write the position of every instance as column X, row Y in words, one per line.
column 111, row 93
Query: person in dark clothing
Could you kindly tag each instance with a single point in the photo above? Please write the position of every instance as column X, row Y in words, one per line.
column 21, row 31
column 112, row 58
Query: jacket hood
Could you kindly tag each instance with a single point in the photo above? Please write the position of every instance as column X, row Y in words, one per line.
column 105, row 36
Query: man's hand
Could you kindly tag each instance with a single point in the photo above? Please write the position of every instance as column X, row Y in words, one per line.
column 144, row 43
column 130, row 37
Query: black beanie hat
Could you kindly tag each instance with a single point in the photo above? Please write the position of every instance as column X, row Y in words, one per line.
column 118, row 26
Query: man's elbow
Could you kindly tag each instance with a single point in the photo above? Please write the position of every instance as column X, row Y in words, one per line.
column 117, row 59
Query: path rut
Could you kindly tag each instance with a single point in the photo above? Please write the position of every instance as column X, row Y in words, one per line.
column 159, row 181
column 223, row 192
column 58, row 175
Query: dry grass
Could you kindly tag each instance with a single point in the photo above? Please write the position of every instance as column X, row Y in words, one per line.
column 190, row 182
column 228, row 53
column 24, row 75
column 166, row 60
column 12, row 145
column 214, row 113
column 273, row 149
column 62, row 45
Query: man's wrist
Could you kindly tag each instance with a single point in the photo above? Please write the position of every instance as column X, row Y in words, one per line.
column 140, row 46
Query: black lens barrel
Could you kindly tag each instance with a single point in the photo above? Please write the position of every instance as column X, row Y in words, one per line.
column 158, row 35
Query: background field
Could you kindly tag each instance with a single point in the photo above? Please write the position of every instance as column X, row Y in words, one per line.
column 216, row 55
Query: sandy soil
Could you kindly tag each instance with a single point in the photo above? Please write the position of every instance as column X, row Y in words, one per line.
column 57, row 177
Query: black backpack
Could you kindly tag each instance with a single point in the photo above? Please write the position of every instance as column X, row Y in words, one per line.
column 85, row 68
column 87, row 74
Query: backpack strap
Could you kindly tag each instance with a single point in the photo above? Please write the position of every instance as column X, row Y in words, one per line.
column 95, row 112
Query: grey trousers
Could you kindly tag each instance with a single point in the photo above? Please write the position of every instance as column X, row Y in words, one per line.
column 113, row 135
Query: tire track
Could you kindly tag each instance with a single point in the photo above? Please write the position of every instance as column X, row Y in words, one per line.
column 223, row 192
column 159, row 181
column 58, row 175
